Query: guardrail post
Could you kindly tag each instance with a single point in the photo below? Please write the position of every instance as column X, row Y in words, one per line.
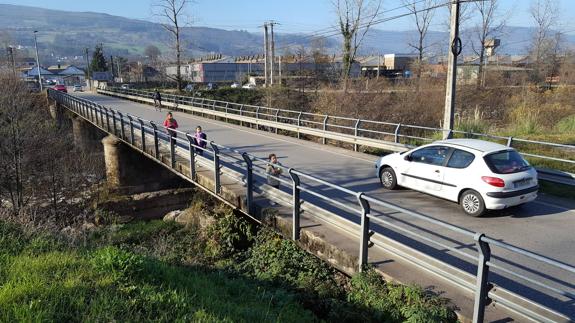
column 396, row 134
column 324, row 128
column 482, row 286
column 296, row 205
column 364, row 242
column 227, row 104
column 509, row 141
column 241, row 114
column 131, row 129
column 192, row 151
column 122, row 131
column 249, row 183
column 173, row 143
column 298, row 124
column 214, row 109
column 156, row 143
column 143, row 132
column 216, row 150
column 356, row 133
column 257, row 118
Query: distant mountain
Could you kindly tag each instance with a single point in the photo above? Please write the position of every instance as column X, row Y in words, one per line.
column 68, row 33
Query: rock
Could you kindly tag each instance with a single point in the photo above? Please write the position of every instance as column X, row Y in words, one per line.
column 87, row 226
column 172, row 216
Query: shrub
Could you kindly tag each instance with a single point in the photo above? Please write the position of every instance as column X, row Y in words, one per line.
column 397, row 303
column 566, row 125
column 119, row 263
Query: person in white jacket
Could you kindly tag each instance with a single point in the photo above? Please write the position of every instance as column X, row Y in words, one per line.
column 273, row 171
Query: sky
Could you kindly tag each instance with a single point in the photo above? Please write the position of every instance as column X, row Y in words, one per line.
column 303, row 16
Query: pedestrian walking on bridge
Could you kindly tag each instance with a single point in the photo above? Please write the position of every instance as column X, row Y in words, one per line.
column 200, row 140
column 171, row 124
column 157, row 100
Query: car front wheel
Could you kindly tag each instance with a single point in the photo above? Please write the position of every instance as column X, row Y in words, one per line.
column 387, row 178
column 472, row 203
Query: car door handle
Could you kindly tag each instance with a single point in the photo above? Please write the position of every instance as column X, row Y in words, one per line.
column 437, row 171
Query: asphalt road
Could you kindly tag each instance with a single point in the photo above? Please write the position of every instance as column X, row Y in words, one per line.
column 544, row 226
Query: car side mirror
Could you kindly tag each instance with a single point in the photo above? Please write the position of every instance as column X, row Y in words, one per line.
column 407, row 157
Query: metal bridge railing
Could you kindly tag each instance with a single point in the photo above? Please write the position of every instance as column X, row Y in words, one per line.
column 475, row 250
column 408, row 135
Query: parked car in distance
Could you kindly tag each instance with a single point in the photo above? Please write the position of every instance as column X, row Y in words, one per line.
column 61, row 88
column 78, row 88
column 249, row 86
column 125, row 86
column 212, row 86
column 234, row 85
column 479, row 175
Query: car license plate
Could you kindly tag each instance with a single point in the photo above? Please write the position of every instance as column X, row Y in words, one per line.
column 522, row 183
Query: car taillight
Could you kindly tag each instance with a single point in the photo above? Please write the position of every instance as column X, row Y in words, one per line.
column 493, row 181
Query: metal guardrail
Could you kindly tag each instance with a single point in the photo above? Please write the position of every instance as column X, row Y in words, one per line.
column 402, row 134
column 129, row 128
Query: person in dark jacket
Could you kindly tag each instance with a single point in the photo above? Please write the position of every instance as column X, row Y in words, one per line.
column 157, row 100
column 200, row 140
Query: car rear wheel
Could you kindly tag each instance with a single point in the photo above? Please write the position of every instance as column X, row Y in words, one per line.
column 387, row 178
column 472, row 203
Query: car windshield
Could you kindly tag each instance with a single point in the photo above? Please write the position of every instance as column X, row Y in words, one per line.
column 506, row 162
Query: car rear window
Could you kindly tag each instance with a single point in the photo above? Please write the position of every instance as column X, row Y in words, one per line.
column 506, row 162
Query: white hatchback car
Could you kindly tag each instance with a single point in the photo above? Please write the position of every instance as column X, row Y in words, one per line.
column 479, row 175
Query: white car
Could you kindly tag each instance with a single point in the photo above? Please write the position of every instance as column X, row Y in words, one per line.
column 249, row 86
column 77, row 88
column 234, row 85
column 479, row 175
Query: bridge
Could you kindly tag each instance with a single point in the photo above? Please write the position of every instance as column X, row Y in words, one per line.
column 332, row 194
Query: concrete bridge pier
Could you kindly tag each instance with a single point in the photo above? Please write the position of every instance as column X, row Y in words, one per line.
column 86, row 137
column 130, row 172
column 56, row 112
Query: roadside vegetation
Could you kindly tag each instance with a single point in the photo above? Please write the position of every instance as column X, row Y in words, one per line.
column 164, row 271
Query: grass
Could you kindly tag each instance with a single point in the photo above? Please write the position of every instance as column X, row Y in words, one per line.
column 156, row 271
column 557, row 189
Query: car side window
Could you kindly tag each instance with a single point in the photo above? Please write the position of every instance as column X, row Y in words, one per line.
column 460, row 159
column 434, row 155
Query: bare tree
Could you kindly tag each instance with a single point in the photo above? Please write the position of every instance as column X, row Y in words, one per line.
column 544, row 13
column 355, row 17
column 172, row 13
column 422, row 20
column 490, row 25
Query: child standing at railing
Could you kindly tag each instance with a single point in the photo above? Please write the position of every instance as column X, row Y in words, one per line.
column 273, row 171
column 200, row 140
column 171, row 124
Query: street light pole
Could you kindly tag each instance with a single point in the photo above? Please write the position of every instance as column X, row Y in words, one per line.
column 37, row 60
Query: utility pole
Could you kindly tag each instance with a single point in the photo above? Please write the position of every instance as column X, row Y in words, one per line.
column 280, row 70
column 378, row 65
column 454, row 51
column 112, row 65
column 273, row 51
column 88, row 70
column 266, row 47
column 37, row 60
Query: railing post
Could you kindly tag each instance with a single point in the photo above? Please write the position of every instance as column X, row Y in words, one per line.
column 192, row 150
column 156, row 143
column 396, row 134
column 131, row 129
column 509, row 141
column 324, row 128
column 114, row 122
column 241, row 114
column 356, row 133
column 214, row 109
column 91, row 108
column 249, row 184
column 107, row 119
column 364, row 242
column 482, row 286
column 216, row 167
column 227, row 104
column 173, row 143
column 122, row 131
column 257, row 118
column 143, row 132
column 296, row 204
column 277, row 118
column 298, row 124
